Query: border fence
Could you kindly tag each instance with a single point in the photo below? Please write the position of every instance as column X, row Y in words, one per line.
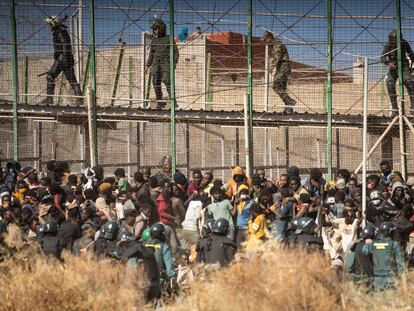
column 222, row 110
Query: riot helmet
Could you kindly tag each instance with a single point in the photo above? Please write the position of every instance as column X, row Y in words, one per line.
column 110, row 230
column 50, row 226
column 157, row 231
column 368, row 232
column 221, row 227
column 386, row 229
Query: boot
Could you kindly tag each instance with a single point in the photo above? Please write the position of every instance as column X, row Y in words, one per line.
column 47, row 101
column 78, row 92
column 289, row 104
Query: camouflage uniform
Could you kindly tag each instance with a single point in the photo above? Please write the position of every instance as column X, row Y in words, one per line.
column 281, row 69
column 159, row 59
column 391, row 56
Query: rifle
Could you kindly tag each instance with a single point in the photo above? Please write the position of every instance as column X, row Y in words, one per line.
column 42, row 74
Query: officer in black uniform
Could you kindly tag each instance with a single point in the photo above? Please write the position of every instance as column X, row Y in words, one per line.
column 304, row 235
column 49, row 242
column 219, row 248
column 63, row 61
column 202, row 242
column 387, row 257
column 159, row 59
column 357, row 263
column 105, row 245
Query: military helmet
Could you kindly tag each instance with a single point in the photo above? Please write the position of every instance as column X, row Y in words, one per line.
column 221, row 226
column 146, row 234
column 386, row 228
column 126, row 236
column 160, row 24
column 266, row 34
column 54, row 21
column 368, row 232
column 305, row 224
column 110, row 230
column 207, row 226
column 50, row 226
column 393, row 35
column 157, row 230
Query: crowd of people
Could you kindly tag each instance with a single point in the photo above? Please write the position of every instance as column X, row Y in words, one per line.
column 164, row 219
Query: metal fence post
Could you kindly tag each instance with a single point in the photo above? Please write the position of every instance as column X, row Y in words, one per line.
column 15, row 77
column 172, row 91
column 250, row 90
column 93, row 131
column 329, row 99
column 403, row 141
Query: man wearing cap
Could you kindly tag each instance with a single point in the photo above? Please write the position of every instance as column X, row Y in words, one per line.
column 390, row 58
column 280, row 67
column 63, row 61
column 159, row 60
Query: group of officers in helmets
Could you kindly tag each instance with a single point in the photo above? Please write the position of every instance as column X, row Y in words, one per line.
column 375, row 259
column 152, row 247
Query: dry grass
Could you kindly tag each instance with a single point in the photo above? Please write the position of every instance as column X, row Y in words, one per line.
column 76, row 285
column 274, row 279
column 286, row 280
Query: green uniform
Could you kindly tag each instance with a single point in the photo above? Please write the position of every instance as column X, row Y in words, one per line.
column 163, row 257
column 281, row 69
column 387, row 260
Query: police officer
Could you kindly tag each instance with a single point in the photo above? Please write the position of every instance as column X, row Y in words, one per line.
column 387, row 258
column 105, row 245
column 136, row 250
column 162, row 253
column 63, row 61
column 390, row 58
column 280, row 67
column 219, row 248
column 304, row 235
column 49, row 242
column 159, row 59
column 358, row 264
column 202, row 242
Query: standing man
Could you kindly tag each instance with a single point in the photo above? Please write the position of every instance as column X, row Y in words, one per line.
column 63, row 61
column 390, row 58
column 280, row 67
column 159, row 60
column 386, row 256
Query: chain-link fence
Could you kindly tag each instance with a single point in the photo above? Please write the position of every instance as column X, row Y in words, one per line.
column 212, row 79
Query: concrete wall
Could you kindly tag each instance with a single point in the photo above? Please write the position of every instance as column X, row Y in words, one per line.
column 307, row 146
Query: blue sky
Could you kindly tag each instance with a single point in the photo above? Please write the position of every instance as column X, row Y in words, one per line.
column 304, row 36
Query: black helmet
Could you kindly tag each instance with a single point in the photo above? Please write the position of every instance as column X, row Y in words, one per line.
column 50, row 226
column 368, row 232
column 126, row 236
column 386, row 229
column 305, row 224
column 207, row 226
column 157, row 231
column 109, row 230
column 221, row 226
column 159, row 23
